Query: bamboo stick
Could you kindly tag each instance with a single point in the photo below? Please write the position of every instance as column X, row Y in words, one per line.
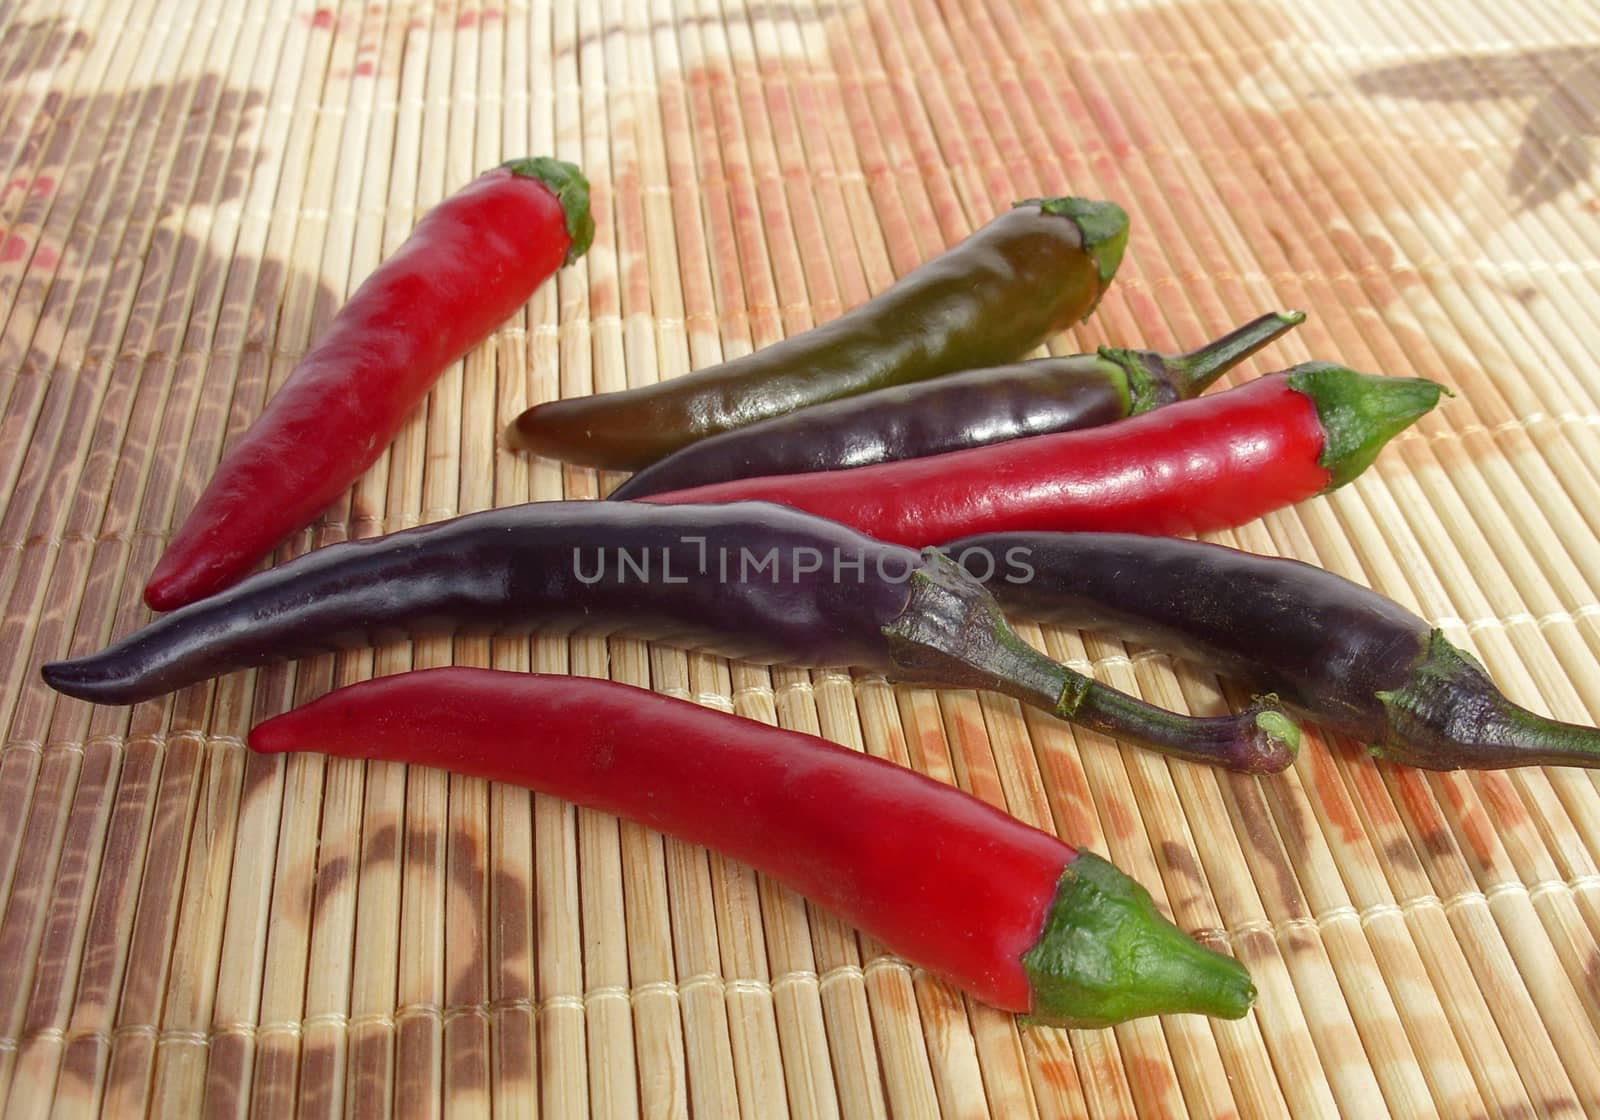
column 525, row 345
column 684, row 286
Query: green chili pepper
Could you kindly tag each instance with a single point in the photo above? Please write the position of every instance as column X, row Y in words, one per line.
column 1031, row 272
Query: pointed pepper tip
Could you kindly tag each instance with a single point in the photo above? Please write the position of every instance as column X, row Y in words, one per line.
column 1448, row 714
column 1360, row 412
column 1107, row 955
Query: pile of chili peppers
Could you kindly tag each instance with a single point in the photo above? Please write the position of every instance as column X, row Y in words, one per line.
column 788, row 494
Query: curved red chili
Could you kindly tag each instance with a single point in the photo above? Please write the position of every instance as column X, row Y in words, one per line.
column 1003, row 910
column 1209, row 463
column 469, row 264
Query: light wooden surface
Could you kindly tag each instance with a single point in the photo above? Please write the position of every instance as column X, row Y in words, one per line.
column 189, row 191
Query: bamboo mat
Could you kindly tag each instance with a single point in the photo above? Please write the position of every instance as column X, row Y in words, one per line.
column 190, row 190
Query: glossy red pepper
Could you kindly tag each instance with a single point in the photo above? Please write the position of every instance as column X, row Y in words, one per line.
column 1003, row 910
column 1190, row 467
column 471, row 262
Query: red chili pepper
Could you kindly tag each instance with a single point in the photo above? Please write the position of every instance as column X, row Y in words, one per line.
column 469, row 264
column 1005, row 911
column 1190, row 467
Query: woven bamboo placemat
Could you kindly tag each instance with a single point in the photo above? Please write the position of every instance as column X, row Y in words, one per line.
column 187, row 193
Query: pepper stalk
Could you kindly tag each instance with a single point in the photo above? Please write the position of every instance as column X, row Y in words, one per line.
column 953, row 634
column 1155, row 379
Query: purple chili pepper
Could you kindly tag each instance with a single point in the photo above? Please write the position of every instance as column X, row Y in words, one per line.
column 1338, row 653
column 748, row 580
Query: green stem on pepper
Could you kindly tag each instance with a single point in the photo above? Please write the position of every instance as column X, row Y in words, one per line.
column 1157, row 379
column 947, row 637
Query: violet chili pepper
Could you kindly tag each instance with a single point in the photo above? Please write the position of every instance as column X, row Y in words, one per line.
column 1004, row 910
column 472, row 261
column 1031, row 272
column 746, row 580
column 1340, row 654
column 958, row 411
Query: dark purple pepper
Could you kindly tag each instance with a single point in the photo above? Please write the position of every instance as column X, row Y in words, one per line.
column 1336, row 652
column 748, row 580
column 957, row 411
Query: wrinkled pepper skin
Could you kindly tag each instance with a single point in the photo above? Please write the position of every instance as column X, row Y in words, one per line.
column 746, row 580
column 957, row 411
column 1005, row 911
column 1340, row 654
column 469, row 264
column 1028, row 274
column 1210, row 463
